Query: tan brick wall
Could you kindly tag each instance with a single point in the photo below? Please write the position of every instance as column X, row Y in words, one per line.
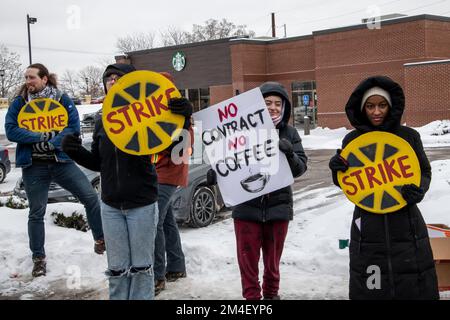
column 427, row 93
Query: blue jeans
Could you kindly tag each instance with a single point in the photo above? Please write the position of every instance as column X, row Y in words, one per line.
column 130, row 242
column 167, row 236
column 37, row 178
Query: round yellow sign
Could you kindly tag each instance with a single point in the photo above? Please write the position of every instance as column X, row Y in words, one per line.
column 380, row 163
column 43, row 115
column 136, row 116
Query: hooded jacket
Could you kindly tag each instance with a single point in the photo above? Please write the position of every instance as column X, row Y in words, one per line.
column 277, row 205
column 396, row 242
column 127, row 181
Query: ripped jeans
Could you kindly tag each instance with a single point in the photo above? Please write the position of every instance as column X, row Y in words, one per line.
column 130, row 241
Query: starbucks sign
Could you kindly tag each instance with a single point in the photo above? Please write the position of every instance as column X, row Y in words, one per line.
column 178, row 61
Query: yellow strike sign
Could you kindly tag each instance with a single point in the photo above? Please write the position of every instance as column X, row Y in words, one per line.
column 136, row 116
column 380, row 163
column 43, row 115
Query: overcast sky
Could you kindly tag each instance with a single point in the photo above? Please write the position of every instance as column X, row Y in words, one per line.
column 72, row 34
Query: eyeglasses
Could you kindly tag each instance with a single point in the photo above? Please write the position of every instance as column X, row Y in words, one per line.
column 112, row 78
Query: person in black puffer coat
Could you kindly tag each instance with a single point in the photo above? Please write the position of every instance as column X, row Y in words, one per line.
column 396, row 242
column 262, row 223
column 129, row 194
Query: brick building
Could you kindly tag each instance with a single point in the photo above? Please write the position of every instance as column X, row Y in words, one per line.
column 320, row 70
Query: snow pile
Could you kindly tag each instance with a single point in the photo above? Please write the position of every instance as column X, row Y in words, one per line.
column 434, row 134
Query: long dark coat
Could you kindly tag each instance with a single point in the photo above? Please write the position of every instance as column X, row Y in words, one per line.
column 397, row 242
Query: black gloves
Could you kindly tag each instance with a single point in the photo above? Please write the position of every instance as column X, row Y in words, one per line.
column 412, row 193
column 338, row 163
column 43, row 147
column 181, row 106
column 286, row 147
column 211, row 177
column 71, row 143
column 46, row 136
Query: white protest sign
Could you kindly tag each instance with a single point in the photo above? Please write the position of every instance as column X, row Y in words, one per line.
column 241, row 143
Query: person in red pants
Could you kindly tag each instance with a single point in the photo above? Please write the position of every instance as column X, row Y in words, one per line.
column 262, row 223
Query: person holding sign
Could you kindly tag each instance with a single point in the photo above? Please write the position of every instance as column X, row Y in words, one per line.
column 172, row 167
column 38, row 128
column 262, row 222
column 390, row 253
column 129, row 204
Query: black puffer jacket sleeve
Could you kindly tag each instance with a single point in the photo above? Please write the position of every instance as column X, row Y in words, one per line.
column 347, row 139
column 298, row 160
column 86, row 158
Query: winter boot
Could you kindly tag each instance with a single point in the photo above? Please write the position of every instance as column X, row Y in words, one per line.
column 174, row 276
column 160, row 285
column 99, row 246
column 39, row 267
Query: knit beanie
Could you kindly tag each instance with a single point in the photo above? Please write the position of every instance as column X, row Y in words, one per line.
column 375, row 91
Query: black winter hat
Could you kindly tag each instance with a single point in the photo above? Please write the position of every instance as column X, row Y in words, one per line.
column 117, row 68
column 277, row 89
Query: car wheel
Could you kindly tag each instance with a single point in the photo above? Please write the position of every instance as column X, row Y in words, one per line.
column 2, row 174
column 97, row 186
column 203, row 209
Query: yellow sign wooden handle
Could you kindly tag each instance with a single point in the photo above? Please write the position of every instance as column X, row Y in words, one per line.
column 136, row 116
column 43, row 115
column 380, row 163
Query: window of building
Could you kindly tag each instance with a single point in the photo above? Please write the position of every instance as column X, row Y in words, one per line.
column 199, row 98
column 304, row 102
column 204, row 98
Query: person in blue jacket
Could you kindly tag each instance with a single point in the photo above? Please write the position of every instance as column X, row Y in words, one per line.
column 42, row 160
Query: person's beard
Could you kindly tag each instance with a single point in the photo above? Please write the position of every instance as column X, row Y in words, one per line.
column 33, row 89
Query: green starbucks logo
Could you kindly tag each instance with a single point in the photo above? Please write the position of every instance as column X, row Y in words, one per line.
column 178, row 61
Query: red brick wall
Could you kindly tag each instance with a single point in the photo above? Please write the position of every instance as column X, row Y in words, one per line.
column 392, row 42
column 220, row 93
column 438, row 39
column 427, row 93
column 345, row 58
column 289, row 58
column 247, row 59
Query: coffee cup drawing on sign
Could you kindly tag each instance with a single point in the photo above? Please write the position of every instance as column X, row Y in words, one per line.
column 256, row 182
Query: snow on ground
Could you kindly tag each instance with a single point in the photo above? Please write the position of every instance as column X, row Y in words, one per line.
column 434, row 134
column 312, row 266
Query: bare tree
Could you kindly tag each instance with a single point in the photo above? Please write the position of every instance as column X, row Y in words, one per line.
column 70, row 83
column 104, row 62
column 140, row 41
column 215, row 29
column 11, row 76
column 174, row 36
column 91, row 82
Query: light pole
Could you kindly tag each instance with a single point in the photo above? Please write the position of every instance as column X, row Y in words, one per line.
column 87, row 85
column 30, row 20
column 2, row 75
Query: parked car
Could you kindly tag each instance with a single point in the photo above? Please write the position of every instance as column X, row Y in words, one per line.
column 5, row 163
column 88, row 121
column 76, row 101
column 56, row 193
column 195, row 205
column 97, row 100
